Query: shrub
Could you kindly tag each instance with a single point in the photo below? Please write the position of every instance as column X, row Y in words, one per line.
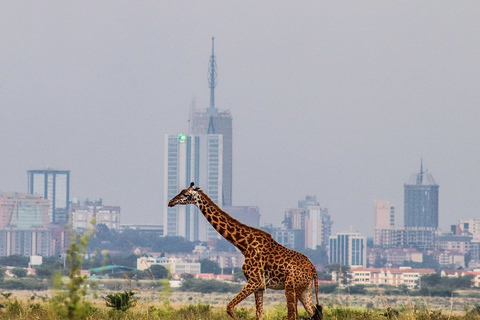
column 327, row 288
column 121, row 301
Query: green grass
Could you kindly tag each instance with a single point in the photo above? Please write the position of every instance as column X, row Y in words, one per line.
column 26, row 309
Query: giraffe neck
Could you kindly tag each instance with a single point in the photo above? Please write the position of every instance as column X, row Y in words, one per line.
column 231, row 229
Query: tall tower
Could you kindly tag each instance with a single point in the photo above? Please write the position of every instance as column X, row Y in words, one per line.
column 53, row 185
column 214, row 121
column 421, row 201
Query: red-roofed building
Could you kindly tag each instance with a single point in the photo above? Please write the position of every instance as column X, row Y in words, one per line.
column 386, row 276
column 462, row 273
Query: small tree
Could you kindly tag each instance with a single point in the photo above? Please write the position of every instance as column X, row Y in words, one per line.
column 158, row 272
column 209, row 266
column 19, row 272
column 2, row 272
column 76, row 289
column 44, row 272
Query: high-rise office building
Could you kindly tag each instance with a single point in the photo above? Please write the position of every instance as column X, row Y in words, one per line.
column 249, row 215
column 313, row 227
column 384, row 220
column 421, row 202
column 197, row 158
column 53, row 185
column 215, row 121
column 313, row 220
column 384, row 214
column 349, row 249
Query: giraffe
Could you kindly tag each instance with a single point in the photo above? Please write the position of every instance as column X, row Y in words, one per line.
column 267, row 264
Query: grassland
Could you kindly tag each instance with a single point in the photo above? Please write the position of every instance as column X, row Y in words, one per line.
column 153, row 304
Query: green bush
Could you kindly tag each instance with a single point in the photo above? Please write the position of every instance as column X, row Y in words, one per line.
column 44, row 272
column 121, row 301
column 209, row 286
column 327, row 288
column 356, row 289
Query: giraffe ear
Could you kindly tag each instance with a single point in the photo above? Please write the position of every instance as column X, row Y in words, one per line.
column 192, row 184
column 196, row 189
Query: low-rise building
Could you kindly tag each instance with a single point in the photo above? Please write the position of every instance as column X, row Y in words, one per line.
column 385, row 276
column 227, row 259
column 475, row 274
column 174, row 265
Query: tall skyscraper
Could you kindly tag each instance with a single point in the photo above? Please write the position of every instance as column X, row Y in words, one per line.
column 53, row 185
column 188, row 158
column 215, row 121
column 421, row 201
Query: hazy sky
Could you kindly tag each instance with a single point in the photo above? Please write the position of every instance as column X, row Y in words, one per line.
column 334, row 99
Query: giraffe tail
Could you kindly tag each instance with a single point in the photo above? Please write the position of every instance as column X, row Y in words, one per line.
column 318, row 315
column 315, row 283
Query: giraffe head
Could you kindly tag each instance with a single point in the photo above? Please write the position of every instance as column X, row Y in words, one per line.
column 186, row 196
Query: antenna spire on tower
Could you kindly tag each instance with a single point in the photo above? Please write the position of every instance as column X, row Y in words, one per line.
column 420, row 175
column 212, row 77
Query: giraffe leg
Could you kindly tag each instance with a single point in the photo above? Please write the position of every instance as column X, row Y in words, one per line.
column 245, row 292
column 292, row 299
column 259, row 304
column 307, row 301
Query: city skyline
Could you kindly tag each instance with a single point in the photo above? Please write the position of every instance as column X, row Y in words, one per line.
column 336, row 100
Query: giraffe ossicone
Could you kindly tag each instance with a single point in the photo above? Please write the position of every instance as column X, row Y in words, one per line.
column 268, row 264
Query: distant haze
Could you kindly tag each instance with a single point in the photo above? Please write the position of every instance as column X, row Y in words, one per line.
column 335, row 99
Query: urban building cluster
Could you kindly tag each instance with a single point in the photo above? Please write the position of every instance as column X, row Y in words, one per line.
column 417, row 242
column 34, row 223
column 306, row 227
